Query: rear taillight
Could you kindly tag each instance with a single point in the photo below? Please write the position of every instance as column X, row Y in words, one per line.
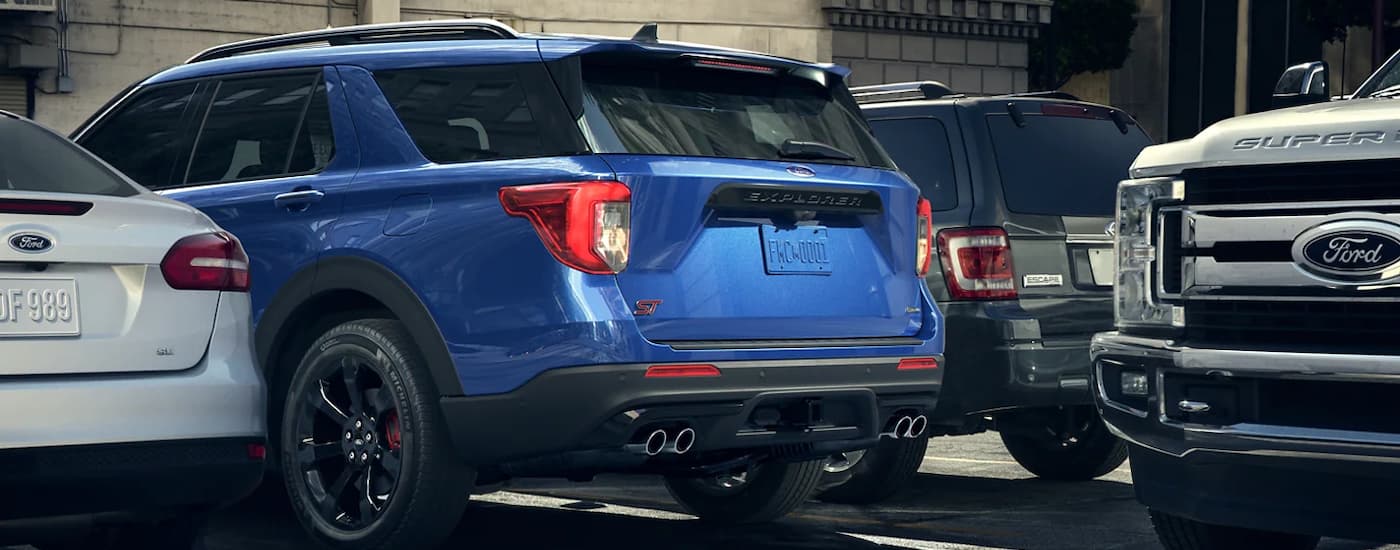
column 924, row 258
column 211, row 261
column 586, row 225
column 977, row 263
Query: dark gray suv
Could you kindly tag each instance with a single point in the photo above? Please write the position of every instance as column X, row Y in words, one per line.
column 1022, row 189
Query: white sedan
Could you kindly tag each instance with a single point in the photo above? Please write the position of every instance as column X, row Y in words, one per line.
column 129, row 396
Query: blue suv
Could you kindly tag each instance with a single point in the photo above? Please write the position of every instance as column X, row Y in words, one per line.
column 479, row 255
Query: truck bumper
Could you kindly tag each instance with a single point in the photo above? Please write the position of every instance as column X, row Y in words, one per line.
column 1291, row 442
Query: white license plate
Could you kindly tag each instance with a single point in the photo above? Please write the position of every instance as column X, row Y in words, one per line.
column 38, row 307
column 1102, row 264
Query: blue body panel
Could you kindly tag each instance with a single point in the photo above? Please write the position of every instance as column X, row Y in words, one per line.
column 505, row 307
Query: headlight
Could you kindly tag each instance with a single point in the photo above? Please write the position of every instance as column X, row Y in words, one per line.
column 1134, row 303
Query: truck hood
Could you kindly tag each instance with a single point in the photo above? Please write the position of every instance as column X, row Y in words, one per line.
column 1356, row 129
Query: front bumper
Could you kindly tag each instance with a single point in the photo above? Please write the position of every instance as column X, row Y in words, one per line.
column 1290, row 442
column 824, row 406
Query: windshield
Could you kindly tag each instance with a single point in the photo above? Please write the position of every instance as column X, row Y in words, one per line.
column 709, row 112
column 1064, row 166
column 37, row 160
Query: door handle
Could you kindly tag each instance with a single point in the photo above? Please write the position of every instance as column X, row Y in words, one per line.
column 299, row 199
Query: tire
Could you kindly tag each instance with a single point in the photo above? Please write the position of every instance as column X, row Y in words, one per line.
column 769, row 491
column 180, row 533
column 1178, row 533
column 398, row 430
column 881, row 473
column 1044, row 447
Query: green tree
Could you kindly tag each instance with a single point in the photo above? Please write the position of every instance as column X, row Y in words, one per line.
column 1083, row 36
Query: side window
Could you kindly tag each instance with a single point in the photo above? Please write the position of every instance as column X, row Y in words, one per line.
column 143, row 138
column 920, row 147
column 263, row 127
column 464, row 114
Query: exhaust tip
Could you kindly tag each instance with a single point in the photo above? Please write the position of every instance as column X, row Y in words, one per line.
column 655, row 442
column 684, row 441
column 917, row 426
column 901, row 427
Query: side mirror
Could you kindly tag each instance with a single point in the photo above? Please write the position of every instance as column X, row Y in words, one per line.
column 1302, row 84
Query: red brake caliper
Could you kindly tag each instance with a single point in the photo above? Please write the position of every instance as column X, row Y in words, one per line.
column 391, row 430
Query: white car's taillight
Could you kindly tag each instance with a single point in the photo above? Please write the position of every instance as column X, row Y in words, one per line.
column 586, row 225
column 211, row 261
column 977, row 263
column 1135, row 303
column 924, row 258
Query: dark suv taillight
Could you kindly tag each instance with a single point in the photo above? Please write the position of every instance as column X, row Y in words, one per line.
column 586, row 225
column 211, row 261
column 977, row 263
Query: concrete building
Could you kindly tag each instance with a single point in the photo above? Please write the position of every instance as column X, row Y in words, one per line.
column 63, row 59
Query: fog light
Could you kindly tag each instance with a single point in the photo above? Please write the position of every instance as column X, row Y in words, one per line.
column 1134, row 383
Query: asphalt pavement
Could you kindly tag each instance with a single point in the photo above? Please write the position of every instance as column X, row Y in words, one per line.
column 969, row 495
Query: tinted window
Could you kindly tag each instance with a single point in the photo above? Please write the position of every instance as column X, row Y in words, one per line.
column 919, row 146
column 143, row 138
column 1059, row 165
column 263, row 127
column 711, row 112
column 463, row 114
column 34, row 159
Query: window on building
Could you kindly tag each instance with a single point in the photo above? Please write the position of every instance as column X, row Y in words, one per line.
column 14, row 94
column 920, row 147
column 263, row 127
column 465, row 114
column 143, row 138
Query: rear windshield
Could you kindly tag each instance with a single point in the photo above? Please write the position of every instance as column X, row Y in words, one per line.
column 687, row 110
column 33, row 159
column 1060, row 165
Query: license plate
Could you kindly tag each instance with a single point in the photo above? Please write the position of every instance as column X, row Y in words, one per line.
column 38, row 307
column 795, row 251
column 1102, row 264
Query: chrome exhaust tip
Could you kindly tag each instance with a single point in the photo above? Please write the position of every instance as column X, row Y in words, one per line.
column 655, row 443
column 685, row 439
column 917, row 427
column 901, row 427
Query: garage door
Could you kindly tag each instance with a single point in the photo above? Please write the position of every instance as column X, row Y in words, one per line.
column 14, row 94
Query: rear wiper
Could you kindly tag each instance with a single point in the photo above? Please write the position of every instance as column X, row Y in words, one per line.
column 794, row 149
column 1389, row 91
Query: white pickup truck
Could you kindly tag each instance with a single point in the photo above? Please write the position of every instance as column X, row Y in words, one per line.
column 1255, row 371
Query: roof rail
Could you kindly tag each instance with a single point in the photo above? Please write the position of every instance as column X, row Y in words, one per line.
column 901, row 91
column 1051, row 94
column 454, row 29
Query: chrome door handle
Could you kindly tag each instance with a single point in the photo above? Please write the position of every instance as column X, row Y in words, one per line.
column 301, row 198
column 1188, row 406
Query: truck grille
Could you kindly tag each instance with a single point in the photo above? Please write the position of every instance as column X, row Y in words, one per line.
column 1327, row 181
column 1361, row 327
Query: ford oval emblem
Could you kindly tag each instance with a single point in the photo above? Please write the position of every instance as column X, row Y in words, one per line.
column 30, row 243
column 801, row 171
column 1355, row 251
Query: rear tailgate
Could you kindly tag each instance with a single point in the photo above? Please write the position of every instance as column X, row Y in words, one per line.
column 1060, row 164
column 723, row 258
column 95, row 301
column 762, row 208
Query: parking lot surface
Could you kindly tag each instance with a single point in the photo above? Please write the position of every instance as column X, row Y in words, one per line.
column 969, row 495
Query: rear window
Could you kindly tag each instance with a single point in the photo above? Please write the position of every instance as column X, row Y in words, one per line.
column 919, row 147
column 1062, row 165
column 490, row 112
column 685, row 110
column 33, row 159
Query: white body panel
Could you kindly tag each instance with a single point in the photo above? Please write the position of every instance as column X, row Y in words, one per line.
column 1356, row 129
column 128, row 318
